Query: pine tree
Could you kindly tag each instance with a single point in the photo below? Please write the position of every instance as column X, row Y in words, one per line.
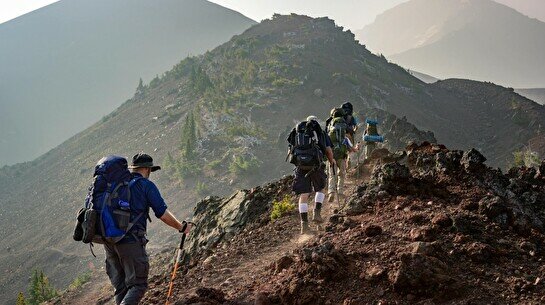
column 40, row 290
column 169, row 162
column 188, row 137
column 21, row 299
column 140, row 89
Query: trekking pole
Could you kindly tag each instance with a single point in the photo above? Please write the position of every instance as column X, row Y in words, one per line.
column 178, row 256
column 358, row 164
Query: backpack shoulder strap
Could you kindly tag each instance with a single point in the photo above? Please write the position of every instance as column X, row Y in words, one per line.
column 131, row 184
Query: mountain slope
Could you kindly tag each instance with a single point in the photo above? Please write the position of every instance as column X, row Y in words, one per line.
column 218, row 122
column 535, row 94
column 530, row 8
column 66, row 65
column 476, row 39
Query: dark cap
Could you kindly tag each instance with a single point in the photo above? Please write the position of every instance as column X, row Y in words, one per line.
column 142, row 160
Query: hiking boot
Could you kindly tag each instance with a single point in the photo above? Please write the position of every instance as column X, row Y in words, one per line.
column 317, row 217
column 331, row 197
column 305, row 229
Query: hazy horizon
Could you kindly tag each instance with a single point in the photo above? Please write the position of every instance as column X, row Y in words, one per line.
column 343, row 12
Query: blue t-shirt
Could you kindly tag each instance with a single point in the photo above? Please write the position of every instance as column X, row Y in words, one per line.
column 144, row 195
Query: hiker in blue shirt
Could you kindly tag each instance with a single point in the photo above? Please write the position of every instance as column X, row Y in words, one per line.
column 127, row 263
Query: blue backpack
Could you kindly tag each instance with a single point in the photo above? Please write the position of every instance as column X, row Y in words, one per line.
column 106, row 216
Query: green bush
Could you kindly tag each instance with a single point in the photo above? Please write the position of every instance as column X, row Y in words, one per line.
column 201, row 188
column 526, row 158
column 241, row 165
column 216, row 164
column 21, row 299
column 282, row 207
column 80, row 280
column 186, row 169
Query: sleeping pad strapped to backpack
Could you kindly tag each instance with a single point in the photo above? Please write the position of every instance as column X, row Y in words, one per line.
column 306, row 153
column 106, row 216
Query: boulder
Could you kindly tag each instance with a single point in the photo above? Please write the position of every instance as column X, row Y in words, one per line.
column 473, row 160
column 424, row 276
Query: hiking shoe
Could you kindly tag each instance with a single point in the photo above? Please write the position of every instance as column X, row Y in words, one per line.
column 305, row 229
column 331, row 197
column 317, row 217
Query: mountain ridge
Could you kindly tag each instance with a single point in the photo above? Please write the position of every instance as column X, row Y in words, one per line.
column 86, row 57
column 458, row 40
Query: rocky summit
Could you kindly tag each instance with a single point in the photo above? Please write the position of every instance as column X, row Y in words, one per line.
column 435, row 226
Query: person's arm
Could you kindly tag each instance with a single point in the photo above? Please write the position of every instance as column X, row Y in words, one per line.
column 350, row 146
column 328, row 149
column 329, row 155
column 169, row 219
column 160, row 209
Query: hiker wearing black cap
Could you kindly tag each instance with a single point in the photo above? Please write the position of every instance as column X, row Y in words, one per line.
column 308, row 144
column 127, row 263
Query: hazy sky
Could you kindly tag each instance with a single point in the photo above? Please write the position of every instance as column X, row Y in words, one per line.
column 354, row 14
column 10, row 9
column 350, row 13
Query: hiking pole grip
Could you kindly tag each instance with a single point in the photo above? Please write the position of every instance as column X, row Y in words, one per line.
column 184, row 227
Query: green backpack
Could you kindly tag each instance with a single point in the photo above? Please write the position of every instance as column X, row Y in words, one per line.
column 337, row 133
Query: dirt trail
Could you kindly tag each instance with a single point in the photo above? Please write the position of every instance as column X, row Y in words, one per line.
column 238, row 273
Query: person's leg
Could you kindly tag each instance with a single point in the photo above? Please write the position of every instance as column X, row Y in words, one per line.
column 349, row 158
column 332, row 184
column 302, row 186
column 342, row 175
column 318, row 202
column 303, row 212
column 136, row 265
column 369, row 147
column 115, row 272
column 319, row 179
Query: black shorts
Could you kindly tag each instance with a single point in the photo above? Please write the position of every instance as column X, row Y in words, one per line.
column 316, row 179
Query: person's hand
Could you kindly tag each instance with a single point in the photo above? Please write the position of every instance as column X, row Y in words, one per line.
column 187, row 226
column 333, row 162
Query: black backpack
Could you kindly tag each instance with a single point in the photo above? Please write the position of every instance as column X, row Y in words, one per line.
column 306, row 153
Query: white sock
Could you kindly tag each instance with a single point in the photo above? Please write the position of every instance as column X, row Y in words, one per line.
column 303, row 207
column 319, row 197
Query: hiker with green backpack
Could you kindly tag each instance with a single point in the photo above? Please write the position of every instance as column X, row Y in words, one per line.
column 352, row 125
column 341, row 145
column 115, row 215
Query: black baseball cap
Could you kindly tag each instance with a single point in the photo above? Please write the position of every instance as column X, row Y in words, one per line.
column 143, row 160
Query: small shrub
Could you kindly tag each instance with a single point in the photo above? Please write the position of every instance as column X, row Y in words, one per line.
column 241, row 165
column 201, row 188
column 282, row 207
column 186, row 169
column 80, row 280
column 285, row 82
column 526, row 158
column 214, row 165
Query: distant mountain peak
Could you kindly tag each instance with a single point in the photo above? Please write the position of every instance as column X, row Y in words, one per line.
column 477, row 39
